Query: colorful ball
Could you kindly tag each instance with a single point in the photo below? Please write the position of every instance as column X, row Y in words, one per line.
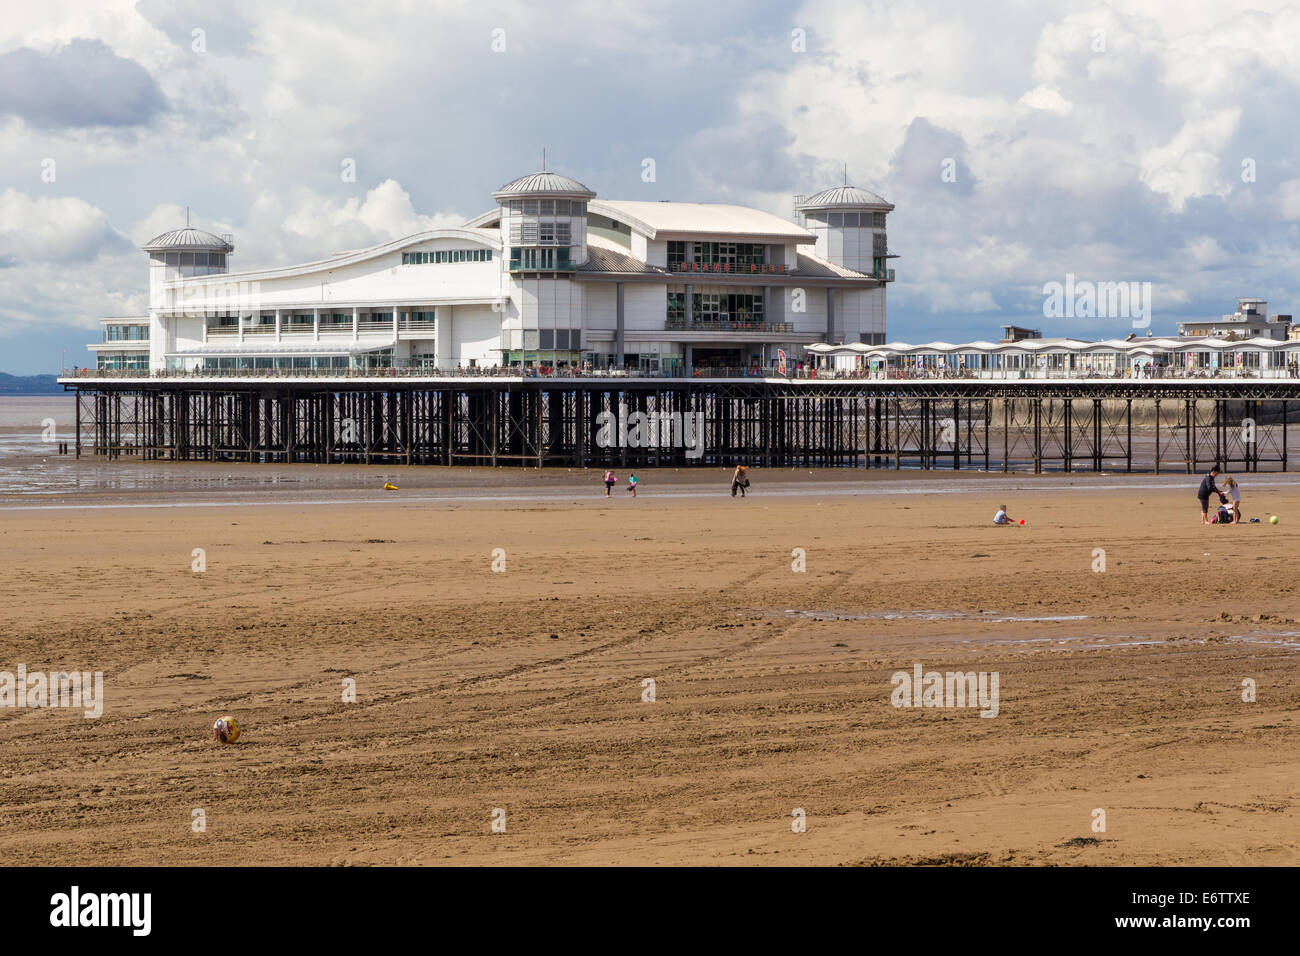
column 1273, row 520
column 226, row 730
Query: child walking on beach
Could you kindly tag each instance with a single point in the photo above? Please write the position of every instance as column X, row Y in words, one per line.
column 631, row 484
column 610, row 480
column 739, row 480
column 1233, row 491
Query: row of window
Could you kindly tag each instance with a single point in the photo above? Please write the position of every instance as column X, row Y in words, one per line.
column 446, row 255
column 300, row 320
column 126, row 333
column 872, row 220
column 562, row 339
column 127, row 360
column 872, row 338
column 189, row 258
column 534, row 233
column 547, row 207
column 541, row 259
column 714, row 253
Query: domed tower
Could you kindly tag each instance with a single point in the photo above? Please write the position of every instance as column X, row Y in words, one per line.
column 544, row 222
column 850, row 227
column 184, row 254
column 188, row 252
column 544, row 240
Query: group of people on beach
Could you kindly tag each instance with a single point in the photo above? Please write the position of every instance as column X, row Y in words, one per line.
column 611, row 480
column 739, row 481
column 1229, row 511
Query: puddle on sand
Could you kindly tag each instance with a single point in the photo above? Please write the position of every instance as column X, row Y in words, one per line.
column 986, row 617
column 1268, row 640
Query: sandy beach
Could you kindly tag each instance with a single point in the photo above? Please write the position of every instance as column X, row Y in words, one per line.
column 519, row 695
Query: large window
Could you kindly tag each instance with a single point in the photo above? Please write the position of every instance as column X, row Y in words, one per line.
column 190, row 264
column 676, row 254
column 687, row 256
column 676, row 307
column 541, row 233
column 126, row 333
column 523, row 259
column 711, row 308
column 136, row 361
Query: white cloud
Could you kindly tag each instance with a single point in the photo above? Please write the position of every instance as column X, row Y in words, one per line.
column 1189, row 164
column 60, row 229
column 1046, row 98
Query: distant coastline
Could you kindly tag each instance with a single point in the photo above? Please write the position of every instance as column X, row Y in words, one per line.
column 29, row 384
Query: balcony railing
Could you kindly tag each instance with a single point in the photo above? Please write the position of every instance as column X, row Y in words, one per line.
column 708, row 325
column 222, row 330
column 418, row 325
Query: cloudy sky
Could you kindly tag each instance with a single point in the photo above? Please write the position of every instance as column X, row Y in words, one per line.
column 1151, row 142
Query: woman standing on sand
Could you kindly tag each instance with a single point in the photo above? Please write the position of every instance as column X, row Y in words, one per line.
column 739, row 480
column 610, row 480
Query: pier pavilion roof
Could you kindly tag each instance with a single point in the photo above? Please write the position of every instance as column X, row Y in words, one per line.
column 543, row 184
column 187, row 239
column 844, row 196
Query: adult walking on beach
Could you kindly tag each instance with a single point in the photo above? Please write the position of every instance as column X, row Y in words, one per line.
column 739, row 480
column 610, row 480
column 1208, row 487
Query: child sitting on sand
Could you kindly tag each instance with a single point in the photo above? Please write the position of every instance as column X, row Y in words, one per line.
column 1002, row 517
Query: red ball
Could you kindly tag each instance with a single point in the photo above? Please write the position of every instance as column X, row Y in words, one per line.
column 1022, row 520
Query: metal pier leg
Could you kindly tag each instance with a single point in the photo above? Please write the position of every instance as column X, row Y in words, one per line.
column 988, row 413
column 1220, row 450
column 898, row 425
column 957, row 444
column 1067, row 446
column 1006, row 432
column 1096, row 435
column 1130, row 451
column 1038, row 436
column 1128, row 440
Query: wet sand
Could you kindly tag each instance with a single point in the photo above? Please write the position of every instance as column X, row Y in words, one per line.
column 1119, row 691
